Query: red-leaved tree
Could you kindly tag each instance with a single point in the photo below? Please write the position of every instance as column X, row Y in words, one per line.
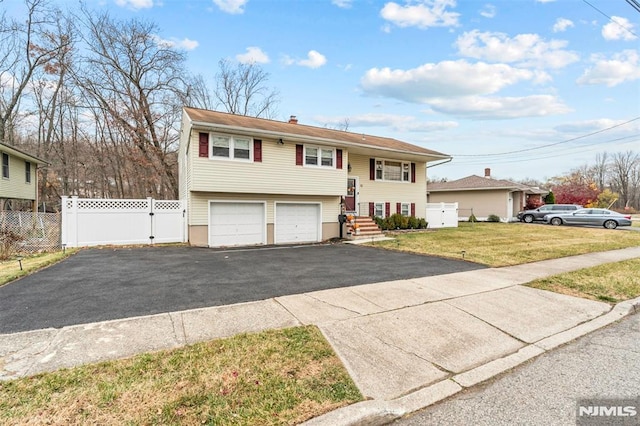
column 576, row 193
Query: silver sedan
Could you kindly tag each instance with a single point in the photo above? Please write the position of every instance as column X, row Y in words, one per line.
column 595, row 217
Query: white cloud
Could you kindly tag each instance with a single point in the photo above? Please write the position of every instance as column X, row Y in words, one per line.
column 488, row 108
column 314, row 60
column 488, row 11
column 343, row 4
column 562, row 24
column 523, row 49
column 184, row 44
column 135, row 4
column 588, row 126
column 461, row 88
column 234, row 7
column 447, row 78
column 545, row 1
column 619, row 29
column 254, row 55
column 399, row 123
column 421, row 13
column 622, row 67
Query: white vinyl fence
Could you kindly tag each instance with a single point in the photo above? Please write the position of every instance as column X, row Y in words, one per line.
column 442, row 215
column 91, row 222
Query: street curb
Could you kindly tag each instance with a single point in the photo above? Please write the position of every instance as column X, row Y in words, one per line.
column 376, row 412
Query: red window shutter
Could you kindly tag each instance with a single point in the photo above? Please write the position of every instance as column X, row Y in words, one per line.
column 398, row 207
column 257, row 150
column 298, row 155
column 203, row 148
column 413, row 172
column 338, row 158
column 372, row 169
column 387, row 209
column 372, row 209
column 413, row 209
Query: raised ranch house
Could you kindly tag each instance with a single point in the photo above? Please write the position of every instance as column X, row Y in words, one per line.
column 19, row 176
column 251, row 181
column 485, row 196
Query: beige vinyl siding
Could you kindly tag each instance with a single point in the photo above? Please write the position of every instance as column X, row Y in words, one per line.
column 483, row 203
column 276, row 174
column 389, row 192
column 198, row 214
column 16, row 186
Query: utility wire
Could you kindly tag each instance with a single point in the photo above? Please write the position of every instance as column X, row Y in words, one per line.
column 551, row 144
column 636, row 6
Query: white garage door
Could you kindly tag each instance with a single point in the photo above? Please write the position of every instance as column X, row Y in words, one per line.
column 297, row 223
column 236, row 224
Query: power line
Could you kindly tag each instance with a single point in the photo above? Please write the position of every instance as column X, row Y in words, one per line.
column 612, row 20
column 551, row 144
column 634, row 4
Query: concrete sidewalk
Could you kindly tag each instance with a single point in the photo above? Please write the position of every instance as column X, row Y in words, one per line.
column 407, row 343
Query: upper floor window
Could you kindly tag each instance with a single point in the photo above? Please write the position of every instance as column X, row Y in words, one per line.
column 27, row 172
column 319, row 157
column 232, row 147
column 5, row 165
column 393, row 170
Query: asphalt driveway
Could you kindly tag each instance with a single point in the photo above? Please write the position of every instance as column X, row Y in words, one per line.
column 105, row 284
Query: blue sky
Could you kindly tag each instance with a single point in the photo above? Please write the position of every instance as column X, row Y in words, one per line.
column 517, row 78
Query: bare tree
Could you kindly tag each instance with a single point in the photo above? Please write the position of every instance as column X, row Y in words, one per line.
column 624, row 166
column 24, row 48
column 243, row 90
column 136, row 81
column 601, row 170
column 198, row 94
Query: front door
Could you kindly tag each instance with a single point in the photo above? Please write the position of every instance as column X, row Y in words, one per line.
column 350, row 201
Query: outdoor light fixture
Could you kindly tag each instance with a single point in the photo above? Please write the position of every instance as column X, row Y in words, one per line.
column 280, row 141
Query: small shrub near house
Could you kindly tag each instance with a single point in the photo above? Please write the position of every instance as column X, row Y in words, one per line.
column 493, row 218
column 397, row 221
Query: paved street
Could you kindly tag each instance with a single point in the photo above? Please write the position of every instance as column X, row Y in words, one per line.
column 545, row 391
column 104, row 284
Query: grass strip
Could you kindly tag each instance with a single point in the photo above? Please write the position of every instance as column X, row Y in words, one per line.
column 269, row 378
column 20, row 266
column 611, row 282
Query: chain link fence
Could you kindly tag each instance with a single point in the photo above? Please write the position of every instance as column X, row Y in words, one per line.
column 28, row 232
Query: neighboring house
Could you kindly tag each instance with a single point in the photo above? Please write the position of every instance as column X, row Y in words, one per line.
column 485, row 196
column 250, row 181
column 19, row 175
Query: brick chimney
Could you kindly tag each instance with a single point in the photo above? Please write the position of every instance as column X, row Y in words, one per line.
column 487, row 173
column 293, row 120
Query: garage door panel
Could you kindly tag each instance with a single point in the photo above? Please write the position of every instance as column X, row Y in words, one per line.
column 296, row 223
column 235, row 224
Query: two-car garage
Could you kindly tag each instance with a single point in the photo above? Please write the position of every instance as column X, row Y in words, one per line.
column 244, row 223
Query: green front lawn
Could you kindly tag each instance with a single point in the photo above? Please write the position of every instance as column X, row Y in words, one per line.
column 504, row 244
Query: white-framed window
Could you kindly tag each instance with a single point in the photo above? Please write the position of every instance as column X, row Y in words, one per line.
column 405, row 209
column 393, row 171
column 5, row 165
column 316, row 156
column 231, row 147
column 27, row 172
column 378, row 210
